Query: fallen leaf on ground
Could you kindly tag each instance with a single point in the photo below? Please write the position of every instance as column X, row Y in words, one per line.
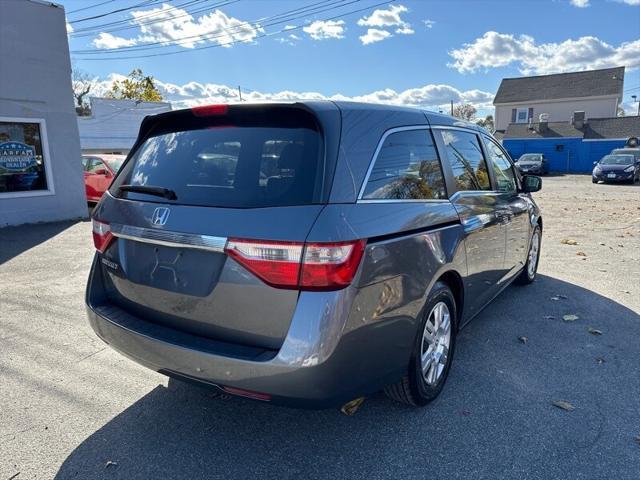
column 570, row 318
column 602, row 243
column 594, row 331
column 549, row 317
column 563, row 404
column 581, row 254
column 523, row 340
column 600, row 360
column 110, row 464
column 568, row 241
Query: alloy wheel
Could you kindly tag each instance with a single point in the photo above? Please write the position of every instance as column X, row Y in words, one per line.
column 533, row 254
column 436, row 340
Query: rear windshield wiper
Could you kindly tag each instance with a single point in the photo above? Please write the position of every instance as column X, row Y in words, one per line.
column 157, row 191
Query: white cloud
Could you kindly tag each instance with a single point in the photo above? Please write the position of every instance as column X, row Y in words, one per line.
column 433, row 96
column 374, row 35
column 173, row 25
column 385, row 18
column 69, row 28
column 106, row 40
column 323, row 30
column 580, row 3
column 290, row 39
column 382, row 21
column 495, row 49
column 429, row 23
column 634, row 3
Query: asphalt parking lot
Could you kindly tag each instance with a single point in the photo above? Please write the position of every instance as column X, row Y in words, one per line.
column 72, row 408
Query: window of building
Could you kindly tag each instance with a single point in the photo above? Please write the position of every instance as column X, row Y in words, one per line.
column 24, row 162
column 467, row 162
column 522, row 115
column 502, row 168
column 406, row 168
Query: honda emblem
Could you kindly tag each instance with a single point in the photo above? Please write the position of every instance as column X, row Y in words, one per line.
column 160, row 216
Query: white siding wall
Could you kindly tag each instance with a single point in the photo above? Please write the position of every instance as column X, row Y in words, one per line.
column 35, row 83
column 113, row 125
column 560, row 110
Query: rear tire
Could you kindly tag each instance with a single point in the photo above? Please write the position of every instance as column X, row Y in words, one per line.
column 593, row 180
column 530, row 270
column 434, row 346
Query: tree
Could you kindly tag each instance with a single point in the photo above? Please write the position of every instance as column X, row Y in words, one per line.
column 137, row 86
column 487, row 123
column 621, row 112
column 465, row 111
column 81, row 83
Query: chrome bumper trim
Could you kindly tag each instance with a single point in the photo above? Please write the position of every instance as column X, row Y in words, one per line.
column 169, row 239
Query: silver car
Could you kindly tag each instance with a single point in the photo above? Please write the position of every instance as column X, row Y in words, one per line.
column 307, row 253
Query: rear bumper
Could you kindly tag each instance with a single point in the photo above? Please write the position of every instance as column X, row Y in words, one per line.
column 318, row 365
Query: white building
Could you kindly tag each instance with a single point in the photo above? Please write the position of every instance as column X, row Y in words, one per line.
column 598, row 93
column 113, row 124
column 40, row 169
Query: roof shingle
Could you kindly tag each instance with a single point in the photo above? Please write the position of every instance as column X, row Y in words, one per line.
column 591, row 83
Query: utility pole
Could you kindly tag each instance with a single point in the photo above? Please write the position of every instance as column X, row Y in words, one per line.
column 239, row 92
column 452, row 108
column 635, row 99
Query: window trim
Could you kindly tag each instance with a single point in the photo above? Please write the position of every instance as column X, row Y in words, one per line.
column 373, row 160
column 526, row 111
column 44, row 139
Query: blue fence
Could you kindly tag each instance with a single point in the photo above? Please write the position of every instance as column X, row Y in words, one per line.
column 571, row 155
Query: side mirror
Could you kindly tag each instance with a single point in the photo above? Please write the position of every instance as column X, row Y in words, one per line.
column 595, row 163
column 531, row 183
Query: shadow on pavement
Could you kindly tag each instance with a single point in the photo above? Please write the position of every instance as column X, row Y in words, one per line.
column 16, row 240
column 494, row 418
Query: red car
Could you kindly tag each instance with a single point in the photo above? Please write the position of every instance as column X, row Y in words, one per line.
column 99, row 171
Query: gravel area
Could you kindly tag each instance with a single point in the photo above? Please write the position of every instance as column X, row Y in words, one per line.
column 70, row 407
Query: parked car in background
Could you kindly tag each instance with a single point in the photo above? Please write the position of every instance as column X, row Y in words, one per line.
column 617, row 168
column 627, row 151
column 535, row 163
column 99, row 171
column 307, row 253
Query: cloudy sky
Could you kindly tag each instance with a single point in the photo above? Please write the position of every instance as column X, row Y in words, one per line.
column 409, row 52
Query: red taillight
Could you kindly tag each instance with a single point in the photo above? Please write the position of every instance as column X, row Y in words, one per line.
column 329, row 266
column 210, row 110
column 293, row 265
column 276, row 263
column 102, row 235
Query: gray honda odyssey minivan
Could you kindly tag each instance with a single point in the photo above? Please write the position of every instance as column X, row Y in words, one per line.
column 307, row 253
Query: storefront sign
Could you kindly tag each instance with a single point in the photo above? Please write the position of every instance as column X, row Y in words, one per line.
column 17, row 156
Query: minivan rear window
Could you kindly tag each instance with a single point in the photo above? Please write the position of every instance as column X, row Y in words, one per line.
column 232, row 166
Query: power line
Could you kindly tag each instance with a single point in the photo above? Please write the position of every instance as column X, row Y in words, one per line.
column 308, row 9
column 297, row 27
column 91, row 29
column 91, row 6
column 145, row 3
column 285, row 17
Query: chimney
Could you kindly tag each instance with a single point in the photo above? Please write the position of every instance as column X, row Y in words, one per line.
column 578, row 120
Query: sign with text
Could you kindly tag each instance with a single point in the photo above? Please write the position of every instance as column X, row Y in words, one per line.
column 17, row 156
